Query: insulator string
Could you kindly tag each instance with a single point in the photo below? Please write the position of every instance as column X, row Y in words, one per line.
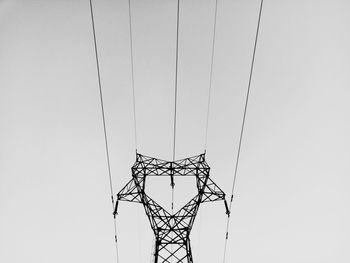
column 242, row 126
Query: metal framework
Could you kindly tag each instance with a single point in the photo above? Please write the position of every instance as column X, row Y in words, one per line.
column 172, row 231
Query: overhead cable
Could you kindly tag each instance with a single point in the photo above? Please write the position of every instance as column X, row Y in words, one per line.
column 242, row 126
column 175, row 103
column 211, row 74
column 132, row 73
column 176, row 75
column 104, row 123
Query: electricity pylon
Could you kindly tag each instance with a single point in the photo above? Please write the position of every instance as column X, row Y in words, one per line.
column 172, row 231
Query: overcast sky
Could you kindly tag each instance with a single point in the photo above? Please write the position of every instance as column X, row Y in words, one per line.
column 292, row 199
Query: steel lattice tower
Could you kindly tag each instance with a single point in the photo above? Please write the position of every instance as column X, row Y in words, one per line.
column 172, row 231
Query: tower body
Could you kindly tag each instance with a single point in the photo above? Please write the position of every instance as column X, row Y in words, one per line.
column 171, row 230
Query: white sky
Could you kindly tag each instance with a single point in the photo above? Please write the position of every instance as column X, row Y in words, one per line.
column 292, row 199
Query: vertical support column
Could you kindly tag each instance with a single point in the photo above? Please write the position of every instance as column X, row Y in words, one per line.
column 189, row 251
column 156, row 250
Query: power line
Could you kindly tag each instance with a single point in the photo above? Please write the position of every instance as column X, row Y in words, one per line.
column 104, row 122
column 211, row 74
column 209, row 99
column 175, row 97
column 132, row 74
column 243, row 123
column 175, row 107
column 176, row 75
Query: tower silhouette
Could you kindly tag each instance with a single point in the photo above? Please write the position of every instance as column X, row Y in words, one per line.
column 172, row 231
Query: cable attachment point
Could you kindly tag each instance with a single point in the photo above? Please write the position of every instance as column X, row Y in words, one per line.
column 227, row 209
column 226, row 235
column 115, row 212
column 172, row 172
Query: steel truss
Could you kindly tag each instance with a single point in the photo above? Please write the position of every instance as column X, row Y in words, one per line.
column 172, row 231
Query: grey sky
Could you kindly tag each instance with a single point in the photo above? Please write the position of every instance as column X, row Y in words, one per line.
column 292, row 198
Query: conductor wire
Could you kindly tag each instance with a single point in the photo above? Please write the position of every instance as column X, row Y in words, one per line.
column 211, row 75
column 175, row 107
column 243, row 123
column 176, row 76
column 104, row 123
column 132, row 74
column 175, row 98
column 209, row 98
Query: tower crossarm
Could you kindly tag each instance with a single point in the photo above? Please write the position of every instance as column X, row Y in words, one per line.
column 210, row 191
column 128, row 193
